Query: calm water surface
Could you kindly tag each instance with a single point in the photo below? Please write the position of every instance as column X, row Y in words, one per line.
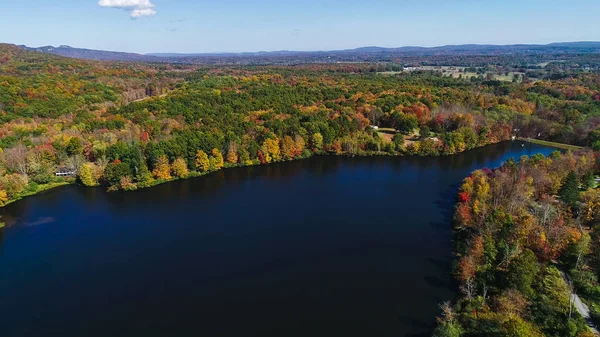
column 328, row 246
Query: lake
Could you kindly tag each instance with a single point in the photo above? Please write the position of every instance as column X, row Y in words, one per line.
column 327, row 246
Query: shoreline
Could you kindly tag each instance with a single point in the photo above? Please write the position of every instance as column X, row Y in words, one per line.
column 194, row 174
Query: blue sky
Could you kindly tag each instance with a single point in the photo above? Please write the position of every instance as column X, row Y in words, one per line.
column 234, row 25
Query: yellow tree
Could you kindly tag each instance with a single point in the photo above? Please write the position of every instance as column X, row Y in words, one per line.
column 3, row 198
column 288, row 148
column 162, row 170
column 317, row 142
column 217, row 159
column 270, row 149
column 202, row 161
column 591, row 206
column 179, row 168
column 87, row 174
column 232, row 153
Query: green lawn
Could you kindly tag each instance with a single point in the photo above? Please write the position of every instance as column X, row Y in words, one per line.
column 552, row 144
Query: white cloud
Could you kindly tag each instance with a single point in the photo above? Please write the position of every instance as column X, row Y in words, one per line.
column 136, row 8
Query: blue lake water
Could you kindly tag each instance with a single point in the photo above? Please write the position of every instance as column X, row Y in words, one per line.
column 328, row 246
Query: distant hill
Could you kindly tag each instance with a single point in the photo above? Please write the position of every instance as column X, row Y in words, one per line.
column 369, row 53
column 475, row 48
column 90, row 54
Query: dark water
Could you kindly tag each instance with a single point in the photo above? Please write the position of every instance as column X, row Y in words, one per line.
column 322, row 247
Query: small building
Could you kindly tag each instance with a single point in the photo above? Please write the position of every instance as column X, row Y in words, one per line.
column 63, row 171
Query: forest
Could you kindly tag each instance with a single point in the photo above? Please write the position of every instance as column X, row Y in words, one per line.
column 526, row 237
column 132, row 125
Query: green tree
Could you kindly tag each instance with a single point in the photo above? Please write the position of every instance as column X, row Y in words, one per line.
column 115, row 171
column 317, row 142
column 144, row 176
column 424, row 131
column 587, row 181
column 74, row 146
column 448, row 329
column 569, row 191
column 398, row 139
column 522, row 273
column 405, row 123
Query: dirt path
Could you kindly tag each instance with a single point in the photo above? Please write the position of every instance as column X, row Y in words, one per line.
column 581, row 307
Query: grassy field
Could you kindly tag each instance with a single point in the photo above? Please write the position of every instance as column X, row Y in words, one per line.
column 552, row 144
column 386, row 133
column 454, row 72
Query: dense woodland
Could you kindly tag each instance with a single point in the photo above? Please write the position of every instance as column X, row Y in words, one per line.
column 127, row 126
column 526, row 238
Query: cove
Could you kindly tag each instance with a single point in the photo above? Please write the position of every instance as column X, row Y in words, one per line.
column 327, row 246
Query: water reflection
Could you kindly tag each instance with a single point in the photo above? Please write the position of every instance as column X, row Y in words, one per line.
column 324, row 246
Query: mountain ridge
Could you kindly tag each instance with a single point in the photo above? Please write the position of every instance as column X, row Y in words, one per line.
column 341, row 55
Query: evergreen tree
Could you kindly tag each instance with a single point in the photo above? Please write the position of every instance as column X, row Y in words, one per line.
column 569, row 191
column 587, row 181
column 144, row 176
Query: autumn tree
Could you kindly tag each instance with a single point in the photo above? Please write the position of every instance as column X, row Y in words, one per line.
column 162, row 169
column 15, row 159
column 591, row 206
column 288, row 148
column 300, row 145
column 3, row 197
column 271, row 150
column 216, row 159
column 447, row 323
column 336, row 147
column 126, row 184
column 374, row 114
column 317, row 142
column 202, row 161
column 179, row 168
column 232, row 153
column 87, row 175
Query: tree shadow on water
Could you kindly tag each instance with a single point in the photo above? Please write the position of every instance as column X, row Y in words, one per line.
column 438, row 283
column 440, row 225
column 425, row 328
column 443, row 265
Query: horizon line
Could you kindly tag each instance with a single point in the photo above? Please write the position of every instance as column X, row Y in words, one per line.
column 156, row 54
